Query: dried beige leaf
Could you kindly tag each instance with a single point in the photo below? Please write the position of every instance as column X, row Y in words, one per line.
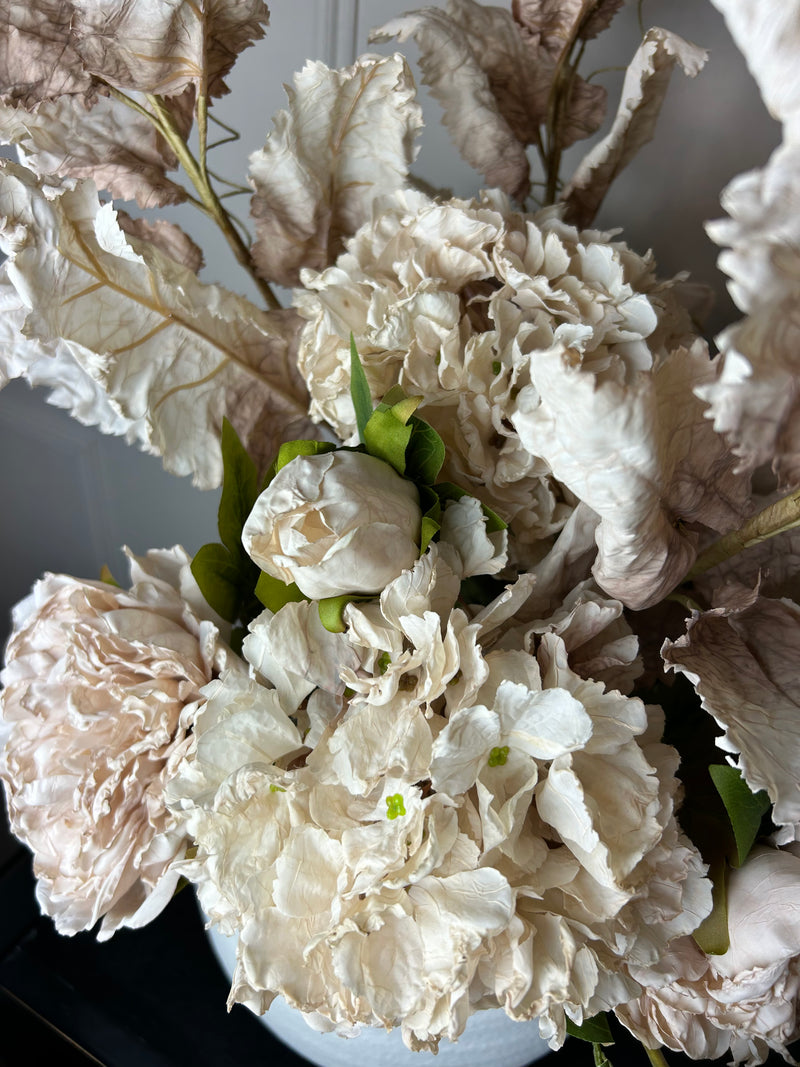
column 477, row 66
column 54, row 48
column 165, row 348
column 38, row 60
column 743, row 662
column 52, row 366
column 346, row 138
column 110, row 143
column 166, row 236
column 555, row 23
column 643, row 92
column 164, row 48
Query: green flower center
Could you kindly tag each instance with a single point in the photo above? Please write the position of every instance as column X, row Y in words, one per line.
column 498, row 756
column 395, row 806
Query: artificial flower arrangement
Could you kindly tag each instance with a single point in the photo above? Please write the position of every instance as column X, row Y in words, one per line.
column 495, row 678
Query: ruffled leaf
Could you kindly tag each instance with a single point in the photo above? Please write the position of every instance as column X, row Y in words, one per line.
column 471, row 56
column 643, row 92
column 173, row 355
column 346, row 138
column 165, row 48
column 109, row 142
column 743, row 662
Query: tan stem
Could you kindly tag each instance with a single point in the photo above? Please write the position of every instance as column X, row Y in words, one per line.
column 783, row 515
column 164, row 122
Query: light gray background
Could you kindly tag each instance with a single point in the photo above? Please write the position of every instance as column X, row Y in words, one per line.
column 71, row 497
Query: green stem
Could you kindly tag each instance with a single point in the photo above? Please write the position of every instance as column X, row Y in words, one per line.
column 656, row 1056
column 779, row 517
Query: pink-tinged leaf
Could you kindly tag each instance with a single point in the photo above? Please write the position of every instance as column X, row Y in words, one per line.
column 110, row 143
column 166, row 236
column 556, row 23
column 600, row 18
column 643, row 92
column 170, row 353
column 478, row 68
column 165, row 48
column 744, row 662
column 38, row 59
column 346, row 138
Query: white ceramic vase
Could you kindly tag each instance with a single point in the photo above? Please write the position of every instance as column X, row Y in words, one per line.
column 489, row 1038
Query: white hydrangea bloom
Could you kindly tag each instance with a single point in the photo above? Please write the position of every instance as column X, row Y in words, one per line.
column 454, row 301
column 466, row 829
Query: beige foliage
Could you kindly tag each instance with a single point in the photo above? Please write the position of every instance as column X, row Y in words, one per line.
column 643, row 91
column 166, row 349
column 346, row 139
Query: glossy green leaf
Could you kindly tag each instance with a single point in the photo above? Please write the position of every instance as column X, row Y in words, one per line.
column 595, row 1030
column 712, row 934
column 290, row 450
column 745, row 809
column 239, row 490
column 386, row 438
column 429, row 528
column 396, row 395
column 331, row 611
column 218, row 576
column 273, row 593
column 425, row 452
column 359, row 390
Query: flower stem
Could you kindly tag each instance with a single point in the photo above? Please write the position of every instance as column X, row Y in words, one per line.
column 211, row 203
column 656, row 1056
column 197, row 172
column 777, row 518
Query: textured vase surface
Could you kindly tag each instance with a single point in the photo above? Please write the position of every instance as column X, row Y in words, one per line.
column 490, row 1039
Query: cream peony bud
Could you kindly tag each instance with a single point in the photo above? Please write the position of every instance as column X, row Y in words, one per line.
column 341, row 522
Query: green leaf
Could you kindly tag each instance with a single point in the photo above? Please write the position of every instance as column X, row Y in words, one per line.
column 290, row 450
column 745, row 809
column 386, row 438
column 273, row 593
column 218, row 576
column 359, row 390
column 107, row 577
column 331, row 611
column 600, row 1058
column 396, row 395
column 239, row 490
column 712, row 934
column 595, row 1030
column 425, row 452
column 429, row 528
